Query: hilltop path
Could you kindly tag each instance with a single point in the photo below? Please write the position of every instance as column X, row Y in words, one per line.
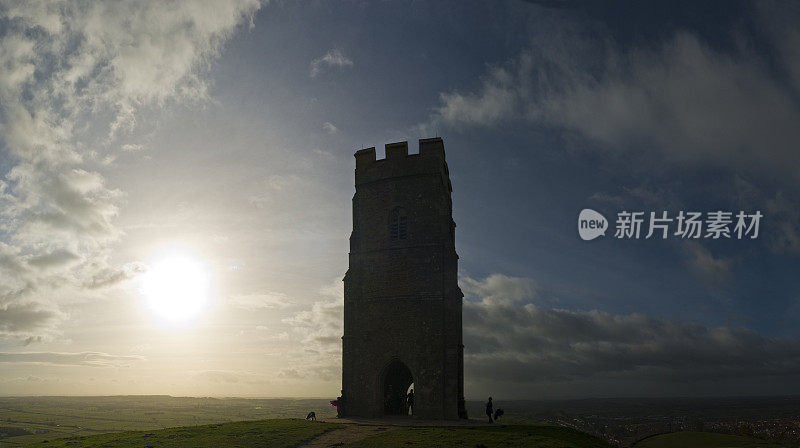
column 356, row 429
column 350, row 432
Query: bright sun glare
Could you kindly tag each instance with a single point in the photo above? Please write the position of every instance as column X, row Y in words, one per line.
column 176, row 288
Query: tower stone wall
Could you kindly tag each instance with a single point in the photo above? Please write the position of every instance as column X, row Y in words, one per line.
column 402, row 303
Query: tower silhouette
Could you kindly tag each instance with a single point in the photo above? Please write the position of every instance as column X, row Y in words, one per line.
column 402, row 303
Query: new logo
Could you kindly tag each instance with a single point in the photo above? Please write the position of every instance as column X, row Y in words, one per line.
column 591, row 224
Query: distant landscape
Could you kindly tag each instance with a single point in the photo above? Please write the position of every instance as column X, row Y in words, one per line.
column 33, row 419
column 624, row 421
column 620, row 422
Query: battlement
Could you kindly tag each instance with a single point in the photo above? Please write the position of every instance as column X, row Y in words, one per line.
column 398, row 162
column 428, row 147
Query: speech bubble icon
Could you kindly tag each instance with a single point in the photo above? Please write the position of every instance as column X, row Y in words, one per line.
column 591, row 224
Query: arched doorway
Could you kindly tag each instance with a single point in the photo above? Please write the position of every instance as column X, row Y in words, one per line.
column 396, row 381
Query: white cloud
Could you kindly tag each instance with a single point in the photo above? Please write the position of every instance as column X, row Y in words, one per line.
column 499, row 289
column 321, row 325
column 333, row 58
column 323, row 153
column 97, row 63
column 320, row 329
column 713, row 271
column 233, row 376
column 130, row 147
column 498, row 100
column 30, row 322
column 682, row 98
column 92, row 359
column 329, row 127
column 283, row 181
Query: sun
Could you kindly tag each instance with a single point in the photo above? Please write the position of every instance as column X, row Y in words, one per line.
column 177, row 288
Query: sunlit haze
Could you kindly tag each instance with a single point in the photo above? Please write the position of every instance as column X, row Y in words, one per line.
column 176, row 288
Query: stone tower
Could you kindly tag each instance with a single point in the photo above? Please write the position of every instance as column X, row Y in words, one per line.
column 402, row 303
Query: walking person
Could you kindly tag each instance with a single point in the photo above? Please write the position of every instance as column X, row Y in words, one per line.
column 489, row 410
column 410, row 401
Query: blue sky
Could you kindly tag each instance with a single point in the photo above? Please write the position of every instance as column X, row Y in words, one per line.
column 226, row 134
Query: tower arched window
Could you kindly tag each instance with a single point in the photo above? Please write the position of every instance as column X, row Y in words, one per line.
column 398, row 224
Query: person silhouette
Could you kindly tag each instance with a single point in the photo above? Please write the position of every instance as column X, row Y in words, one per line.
column 410, row 401
column 489, row 409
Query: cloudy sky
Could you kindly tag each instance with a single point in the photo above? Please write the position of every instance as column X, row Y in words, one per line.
column 212, row 142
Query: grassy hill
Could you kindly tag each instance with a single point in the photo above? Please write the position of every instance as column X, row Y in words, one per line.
column 499, row 436
column 278, row 433
column 33, row 419
column 690, row 439
column 281, row 433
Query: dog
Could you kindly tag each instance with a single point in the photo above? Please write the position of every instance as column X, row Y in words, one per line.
column 311, row 416
column 498, row 413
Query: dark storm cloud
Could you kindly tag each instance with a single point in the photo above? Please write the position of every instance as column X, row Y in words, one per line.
column 92, row 359
column 514, row 340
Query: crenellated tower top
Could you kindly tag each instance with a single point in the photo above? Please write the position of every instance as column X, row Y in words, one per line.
column 398, row 162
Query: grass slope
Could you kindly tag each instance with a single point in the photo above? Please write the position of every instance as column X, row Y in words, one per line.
column 293, row 432
column 691, row 439
column 262, row 433
column 516, row 435
column 33, row 419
